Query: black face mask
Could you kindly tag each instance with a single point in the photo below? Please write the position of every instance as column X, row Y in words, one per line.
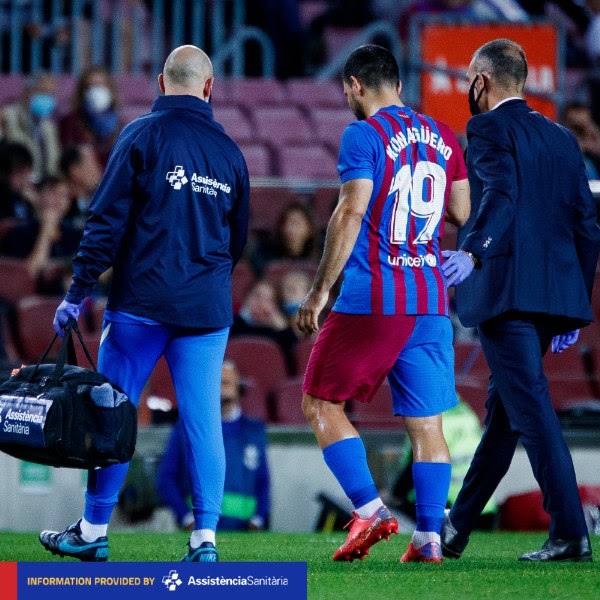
column 473, row 106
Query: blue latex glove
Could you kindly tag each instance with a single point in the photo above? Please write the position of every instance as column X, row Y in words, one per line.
column 457, row 266
column 564, row 341
column 64, row 312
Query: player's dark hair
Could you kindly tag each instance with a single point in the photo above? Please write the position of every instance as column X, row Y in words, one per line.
column 505, row 60
column 374, row 65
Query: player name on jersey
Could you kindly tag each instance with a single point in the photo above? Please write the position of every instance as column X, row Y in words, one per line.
column 415, row 135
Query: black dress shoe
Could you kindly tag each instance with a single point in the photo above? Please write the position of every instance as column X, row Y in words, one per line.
column 453, row 544
column 574, row 550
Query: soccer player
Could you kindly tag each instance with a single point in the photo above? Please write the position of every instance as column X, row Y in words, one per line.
column 402, row 174
column 171, row 217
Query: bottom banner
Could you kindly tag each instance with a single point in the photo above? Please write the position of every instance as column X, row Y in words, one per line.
column 63, row 581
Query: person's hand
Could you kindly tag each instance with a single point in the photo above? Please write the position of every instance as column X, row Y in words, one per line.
column 457, row 266
column 564, row 341
column 307, row 318
column 64, row 312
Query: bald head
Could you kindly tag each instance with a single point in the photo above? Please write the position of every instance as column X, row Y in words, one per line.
column 187, row 70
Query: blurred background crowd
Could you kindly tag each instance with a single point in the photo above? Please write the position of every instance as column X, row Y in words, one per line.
column 74, row 72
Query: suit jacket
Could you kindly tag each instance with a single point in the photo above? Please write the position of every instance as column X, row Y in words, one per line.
column 533, row 220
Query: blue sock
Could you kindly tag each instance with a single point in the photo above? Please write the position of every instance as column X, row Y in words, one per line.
column 432, row 482
column 347, row 460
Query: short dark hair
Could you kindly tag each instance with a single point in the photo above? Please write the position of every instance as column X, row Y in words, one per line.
column 505, row 60
column 70, row 156
column 374, row 65
column 14, row 157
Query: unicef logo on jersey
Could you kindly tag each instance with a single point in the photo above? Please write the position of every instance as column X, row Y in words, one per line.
column 177, row 177
column 413, row 261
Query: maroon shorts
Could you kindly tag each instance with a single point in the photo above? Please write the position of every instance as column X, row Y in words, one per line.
column 354, row 353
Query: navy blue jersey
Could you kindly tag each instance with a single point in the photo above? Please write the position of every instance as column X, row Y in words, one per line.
column 170, row 216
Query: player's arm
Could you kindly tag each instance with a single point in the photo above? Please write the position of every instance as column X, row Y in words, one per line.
column 342, row 231
column 459, row 203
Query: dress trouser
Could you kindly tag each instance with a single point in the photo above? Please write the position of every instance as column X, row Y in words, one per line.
column 519, row 408
column 127, row 356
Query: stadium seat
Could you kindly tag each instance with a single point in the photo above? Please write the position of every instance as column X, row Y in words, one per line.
column 307, row 161
column 469, row 361
column 242, row 279
column 132, row 111
column 259, row 358
column 276, row 269
column 288, row 402
column 329, row 124
column 65, row 93
column 266, row 206
column 254, row 402
column 11, row 86
column 250, row 91
column 568, row 392
column 15, row 280
column 376, row 414
column 234, row 121
column 160, row 383
column 473, row 392
column 303, row 350
column 324, row 201
column 308, row 92
column 281, row 125
column 92, row 343
column 136, row 89
column 258, row 159
column 34, row 316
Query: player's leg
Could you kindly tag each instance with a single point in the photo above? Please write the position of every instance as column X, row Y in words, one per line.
column 350, row 360
column 195, row 362
column 127, row 355
column 422, row 383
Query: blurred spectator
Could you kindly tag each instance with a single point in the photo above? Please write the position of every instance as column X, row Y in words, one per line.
column 261, row 314
column 36, row 21
column 297, row 237
column 246, row 502
column 280, row 20
column 16, row 188
column 578, row 118
column 293, row 288
column 46, row 241
column 592, row 36
column 30, row 122
column 94, row 119
column 572, row 17
column 82, row 170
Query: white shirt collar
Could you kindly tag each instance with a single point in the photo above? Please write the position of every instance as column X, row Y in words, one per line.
column 507, row 100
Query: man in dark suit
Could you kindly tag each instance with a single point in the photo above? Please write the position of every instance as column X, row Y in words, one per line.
column 527, row 256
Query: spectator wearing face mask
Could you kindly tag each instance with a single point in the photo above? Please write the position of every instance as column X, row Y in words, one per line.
column 30, row 121
column 261, row 314
column 94, row 119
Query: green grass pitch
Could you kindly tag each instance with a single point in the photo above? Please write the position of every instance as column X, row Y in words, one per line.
column 488, row 569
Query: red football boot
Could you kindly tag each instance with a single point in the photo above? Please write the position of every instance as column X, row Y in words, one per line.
column 366, row 532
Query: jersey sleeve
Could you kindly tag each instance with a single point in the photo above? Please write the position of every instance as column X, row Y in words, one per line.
column 358, row 152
